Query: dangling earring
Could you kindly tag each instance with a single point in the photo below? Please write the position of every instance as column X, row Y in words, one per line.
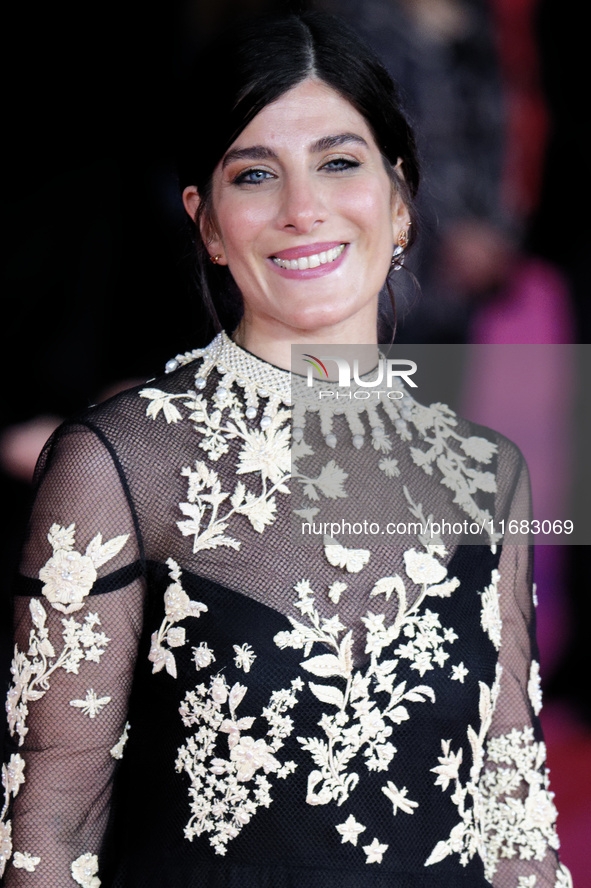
column 216, row 259
column 398, row 253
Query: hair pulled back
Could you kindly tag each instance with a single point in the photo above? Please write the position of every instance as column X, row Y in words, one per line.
column 253, row 64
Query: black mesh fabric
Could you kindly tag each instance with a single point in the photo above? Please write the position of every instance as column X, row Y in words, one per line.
column 204, row 697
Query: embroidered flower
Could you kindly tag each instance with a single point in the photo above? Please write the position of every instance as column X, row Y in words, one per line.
column 68, row 578
column 84, row 870
column 389, row 467
column 375, row 851
column 250, row 755
column 350, row 830
column 25, row 861
column 266, row 452
column 178, row 605
column 459, row 673
column 423, row 569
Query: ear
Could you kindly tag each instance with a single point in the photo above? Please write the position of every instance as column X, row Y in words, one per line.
column 400, row 214
column 211, row 239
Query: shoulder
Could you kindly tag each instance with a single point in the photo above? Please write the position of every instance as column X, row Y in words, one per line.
column 123, row 424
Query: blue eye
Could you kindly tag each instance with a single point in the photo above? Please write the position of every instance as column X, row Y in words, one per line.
column 340, row 164
column 252, row 177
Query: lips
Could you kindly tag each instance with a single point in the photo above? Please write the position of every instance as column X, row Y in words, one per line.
column 317, row 260
column 310, row 260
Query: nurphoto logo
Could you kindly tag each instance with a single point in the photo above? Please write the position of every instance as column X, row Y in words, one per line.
column 387, row 371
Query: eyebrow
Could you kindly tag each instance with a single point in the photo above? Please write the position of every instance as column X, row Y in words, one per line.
column 260, row 152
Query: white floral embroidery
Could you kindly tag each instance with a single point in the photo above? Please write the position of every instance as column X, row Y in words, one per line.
column 84, row 870
column 25, row 861
column 534, row 688
column 389, row 467
column 512, row 811
column 527, row 881
column 5, row 844
column 518, row 814
column 448, row 768
column 117, row 750
column 398, row 798
column 245, row 657
column 68, row 575
column 467, row 837
column 13, row 777
column 423, row 568
column 459, row 673
column 375, row 851
column 563, row 878
column 361, row 722
column 350, row 830
column 177, row 606
column 31, row 672
column 92, row 704
column 490, row 615
column 222, row 801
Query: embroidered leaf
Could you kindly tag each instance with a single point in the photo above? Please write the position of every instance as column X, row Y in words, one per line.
column 61, row 537
column 236, row 695
column 418, row 694
column 439, row 852
column 484, row 704
column 331, row 480
column 387, row 585
column 318, row 749
column 324, row 665
column 398, row 715
column 38, row 613
column 328, row 694
column 444, row 590
column 99, row 552
column 238, row 495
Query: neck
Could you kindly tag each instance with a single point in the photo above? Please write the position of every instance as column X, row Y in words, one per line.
column 273, row 342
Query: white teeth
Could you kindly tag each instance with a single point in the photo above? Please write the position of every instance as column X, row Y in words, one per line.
column 310, row 261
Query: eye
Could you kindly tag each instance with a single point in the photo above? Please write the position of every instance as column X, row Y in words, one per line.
column 340, row 164
column 252, row 177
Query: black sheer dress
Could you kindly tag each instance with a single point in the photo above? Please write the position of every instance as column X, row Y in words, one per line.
column 210, row 692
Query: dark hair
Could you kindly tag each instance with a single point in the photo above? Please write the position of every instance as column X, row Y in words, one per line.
column 252, row 65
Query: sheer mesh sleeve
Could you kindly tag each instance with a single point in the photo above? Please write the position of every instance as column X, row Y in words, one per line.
column 517, row 812
column 78, row 607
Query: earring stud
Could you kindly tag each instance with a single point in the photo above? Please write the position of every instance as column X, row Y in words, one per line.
column 216, row 259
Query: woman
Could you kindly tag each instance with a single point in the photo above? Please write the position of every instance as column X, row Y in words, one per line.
column 202, row 695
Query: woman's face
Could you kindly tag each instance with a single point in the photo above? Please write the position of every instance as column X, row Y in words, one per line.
column 305, row 215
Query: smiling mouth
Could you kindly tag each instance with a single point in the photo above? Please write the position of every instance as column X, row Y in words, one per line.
column 313, row 261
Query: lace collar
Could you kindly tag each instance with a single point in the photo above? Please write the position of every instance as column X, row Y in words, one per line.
column 263, row 382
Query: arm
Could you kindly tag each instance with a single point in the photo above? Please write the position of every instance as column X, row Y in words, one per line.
column 78, row 608
column 518, row 814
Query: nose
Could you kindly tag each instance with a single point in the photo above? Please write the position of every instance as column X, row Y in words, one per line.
column 303, row 207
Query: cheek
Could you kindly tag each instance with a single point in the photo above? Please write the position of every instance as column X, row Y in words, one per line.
column 240, row 226
column 369, row 208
